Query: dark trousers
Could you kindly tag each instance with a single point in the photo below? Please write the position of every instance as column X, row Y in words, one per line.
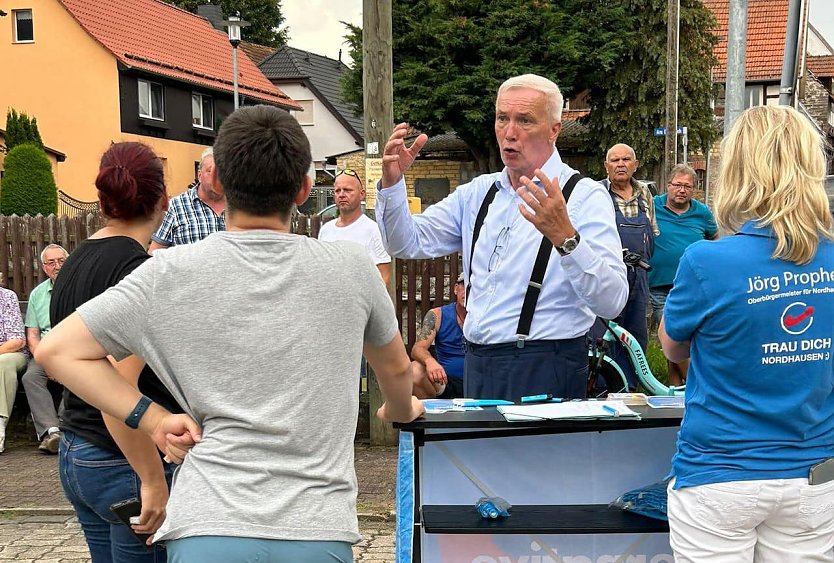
column 633, row 319
column 505, row 371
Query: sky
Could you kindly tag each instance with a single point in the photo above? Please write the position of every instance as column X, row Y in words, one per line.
column 822, row 17
column 315, row 24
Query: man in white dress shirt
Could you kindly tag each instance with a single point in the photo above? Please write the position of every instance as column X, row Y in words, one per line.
column 539, row 268
column 352, row 224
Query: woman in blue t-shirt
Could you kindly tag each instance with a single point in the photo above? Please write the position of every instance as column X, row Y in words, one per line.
column 756, row 313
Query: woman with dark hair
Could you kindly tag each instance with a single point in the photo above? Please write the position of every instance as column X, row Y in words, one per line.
column 102, row 461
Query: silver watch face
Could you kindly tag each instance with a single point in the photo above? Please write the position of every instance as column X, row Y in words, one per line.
column 569, row 245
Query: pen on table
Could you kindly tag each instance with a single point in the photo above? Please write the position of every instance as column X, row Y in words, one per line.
column 612, row 410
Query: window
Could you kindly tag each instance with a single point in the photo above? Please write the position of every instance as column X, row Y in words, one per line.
column 772, row 95
column 202, row 111
column 753, row 96
column 24, row 31
column 151, row 100
column 305, row 117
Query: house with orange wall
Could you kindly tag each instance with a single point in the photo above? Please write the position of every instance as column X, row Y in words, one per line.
column 95, row 72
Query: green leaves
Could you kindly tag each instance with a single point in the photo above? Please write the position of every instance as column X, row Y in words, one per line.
column 450, row 56
column 21, row 129
column 28, row 185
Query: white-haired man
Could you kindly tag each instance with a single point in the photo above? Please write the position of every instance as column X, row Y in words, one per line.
column 636, row 223
column 194, row 214
column 525, row 332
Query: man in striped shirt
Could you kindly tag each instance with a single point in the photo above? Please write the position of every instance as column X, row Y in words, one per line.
column 194, row 214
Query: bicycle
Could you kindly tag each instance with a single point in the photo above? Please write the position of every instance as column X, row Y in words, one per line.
column 602, row 367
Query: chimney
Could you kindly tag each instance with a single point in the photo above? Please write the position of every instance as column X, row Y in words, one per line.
column 214, row 14
column 340, row 55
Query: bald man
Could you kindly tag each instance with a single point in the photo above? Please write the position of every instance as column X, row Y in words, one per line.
column 636, row 223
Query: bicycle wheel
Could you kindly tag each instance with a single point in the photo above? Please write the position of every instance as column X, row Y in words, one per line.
column 604, row 380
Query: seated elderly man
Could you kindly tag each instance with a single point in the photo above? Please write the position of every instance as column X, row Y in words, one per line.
column 35, row 381
column 441, row 375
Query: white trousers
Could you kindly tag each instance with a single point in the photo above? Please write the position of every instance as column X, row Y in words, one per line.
column 768, row 521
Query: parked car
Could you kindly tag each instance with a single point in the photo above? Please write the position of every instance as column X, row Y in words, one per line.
column 332, row 211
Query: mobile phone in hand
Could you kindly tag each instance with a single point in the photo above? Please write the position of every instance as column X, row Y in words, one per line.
column 126, row 509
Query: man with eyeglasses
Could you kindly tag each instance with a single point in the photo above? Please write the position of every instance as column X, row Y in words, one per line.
column 634, row 211
column 682, row 221
column 353, row 225
column 540, row 264
column 194, row 214
column 41, row 398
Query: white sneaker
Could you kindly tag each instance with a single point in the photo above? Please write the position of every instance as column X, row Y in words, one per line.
column 3, row 422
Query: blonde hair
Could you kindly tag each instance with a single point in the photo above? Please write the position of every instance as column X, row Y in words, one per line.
column 773, row 167
column 554, row 97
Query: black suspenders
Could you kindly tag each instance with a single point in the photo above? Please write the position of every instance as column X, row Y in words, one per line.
column 528, row 308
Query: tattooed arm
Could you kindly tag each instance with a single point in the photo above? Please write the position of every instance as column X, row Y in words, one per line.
column 425, row 338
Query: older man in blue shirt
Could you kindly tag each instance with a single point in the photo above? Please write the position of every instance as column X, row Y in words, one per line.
column 525, row 331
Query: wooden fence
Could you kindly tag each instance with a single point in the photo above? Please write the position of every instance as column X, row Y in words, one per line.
column 23, row 238
column 420, row 284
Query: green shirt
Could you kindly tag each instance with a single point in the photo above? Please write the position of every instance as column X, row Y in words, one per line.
column 37, row 312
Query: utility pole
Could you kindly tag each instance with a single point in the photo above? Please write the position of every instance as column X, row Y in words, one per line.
column 670, row 152
column 378, row 106
column 736, row 63
column 789, row 59
column 377, row 75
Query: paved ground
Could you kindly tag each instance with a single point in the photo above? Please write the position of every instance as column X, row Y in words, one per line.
column 36, row 522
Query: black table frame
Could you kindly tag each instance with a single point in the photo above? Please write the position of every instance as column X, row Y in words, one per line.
column 489, row 423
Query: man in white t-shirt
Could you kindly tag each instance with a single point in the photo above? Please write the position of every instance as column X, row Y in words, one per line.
column 352, row 224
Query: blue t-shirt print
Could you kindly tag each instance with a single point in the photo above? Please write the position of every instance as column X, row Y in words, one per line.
column 759, row 401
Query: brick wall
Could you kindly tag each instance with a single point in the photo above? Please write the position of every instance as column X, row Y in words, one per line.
column 816, row 99
column 449, row 169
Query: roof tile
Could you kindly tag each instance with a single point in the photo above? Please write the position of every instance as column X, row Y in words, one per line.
column 766, row 27
column 162, row 39
column 822, row 66
column 289, row 64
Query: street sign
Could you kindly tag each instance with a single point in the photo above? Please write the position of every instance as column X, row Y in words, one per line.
column 661, row 131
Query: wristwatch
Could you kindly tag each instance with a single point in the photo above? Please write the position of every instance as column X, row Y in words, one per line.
column 569, row 245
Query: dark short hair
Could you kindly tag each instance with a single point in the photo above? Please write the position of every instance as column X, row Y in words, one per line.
column 130, row 181
column 262, row 155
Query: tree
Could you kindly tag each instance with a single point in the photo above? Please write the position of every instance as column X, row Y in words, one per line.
column 264, row 16
column 450, row 56
column 631, row 101
column 21, row 129
column 28, row 185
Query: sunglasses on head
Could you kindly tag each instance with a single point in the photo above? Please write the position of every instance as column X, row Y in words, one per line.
column 349, row 172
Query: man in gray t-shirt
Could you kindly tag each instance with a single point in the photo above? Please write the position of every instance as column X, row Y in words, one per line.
column 251, row 332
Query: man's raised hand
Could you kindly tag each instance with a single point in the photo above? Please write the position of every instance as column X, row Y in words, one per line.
column 397, row 158
column 546, row 208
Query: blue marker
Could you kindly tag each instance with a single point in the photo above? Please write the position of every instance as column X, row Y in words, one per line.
column 536, row 398
column 612, row 410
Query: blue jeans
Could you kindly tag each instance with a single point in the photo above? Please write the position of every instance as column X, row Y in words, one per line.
column 94, row 478
column 657, row 297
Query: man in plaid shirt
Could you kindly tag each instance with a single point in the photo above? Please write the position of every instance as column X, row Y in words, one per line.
column 194, row 214
column 636, row 223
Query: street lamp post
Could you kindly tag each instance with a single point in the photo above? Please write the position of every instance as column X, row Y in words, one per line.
column 233, row 24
